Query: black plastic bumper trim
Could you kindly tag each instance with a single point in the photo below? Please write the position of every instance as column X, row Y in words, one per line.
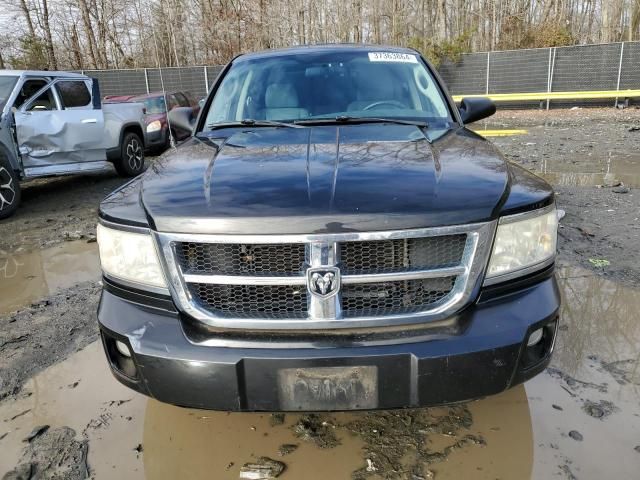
column 142, row 297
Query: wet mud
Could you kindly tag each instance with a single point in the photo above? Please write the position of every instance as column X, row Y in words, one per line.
column 593, row 385
column 398, row 443
column 51, row 454
column 81, row 395
column 130, row 436
column 589, row 156
column 580, row 419
column 580, row 148
column 56, row 210
column 26, row 276
column 58, row 290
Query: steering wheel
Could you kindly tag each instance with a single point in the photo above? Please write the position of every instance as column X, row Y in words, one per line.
column 393, row 103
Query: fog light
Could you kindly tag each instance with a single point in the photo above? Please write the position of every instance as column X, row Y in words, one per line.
column 535, row 337
column 120, row 356
column 124, row 350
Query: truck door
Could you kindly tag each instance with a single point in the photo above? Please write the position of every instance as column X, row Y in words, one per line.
column 60, row 127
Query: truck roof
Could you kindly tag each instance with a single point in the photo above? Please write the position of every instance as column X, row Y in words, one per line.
column 40, row 73
column 324, row 47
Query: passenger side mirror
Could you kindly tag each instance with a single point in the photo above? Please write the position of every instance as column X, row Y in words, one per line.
column 474, row 109
column 182, row 118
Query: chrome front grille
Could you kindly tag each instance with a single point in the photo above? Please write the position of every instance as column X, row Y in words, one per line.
column 341, row 280
column 403, row 254
column 251, row 301
column 241, row 258
column 388, row 298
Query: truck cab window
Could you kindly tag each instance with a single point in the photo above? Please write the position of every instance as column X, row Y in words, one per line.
column 182, row 100
column 172, row 101
column 28, row 90
column 7, row 82
column 44, row 102
column 73, row 93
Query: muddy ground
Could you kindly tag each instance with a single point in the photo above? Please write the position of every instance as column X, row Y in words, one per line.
column 57, row 210
column 63, row 416
column 588, row 155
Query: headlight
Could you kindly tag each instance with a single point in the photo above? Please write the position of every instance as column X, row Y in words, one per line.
column 523, row 241
column 154, row 126
column 130, row 257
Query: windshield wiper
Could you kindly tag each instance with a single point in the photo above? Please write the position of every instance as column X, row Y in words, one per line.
column 250, row 122
column 345, row 119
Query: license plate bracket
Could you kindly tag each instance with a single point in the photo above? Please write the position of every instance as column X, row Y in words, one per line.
column 328, row 388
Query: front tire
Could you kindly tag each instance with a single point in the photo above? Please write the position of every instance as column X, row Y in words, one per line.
column 131, row 161
column 9, row 189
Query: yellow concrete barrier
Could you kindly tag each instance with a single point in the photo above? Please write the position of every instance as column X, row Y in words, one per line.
column 500, row 133
column 520, row 97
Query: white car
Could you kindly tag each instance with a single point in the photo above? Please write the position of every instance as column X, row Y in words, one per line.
column 53, row 123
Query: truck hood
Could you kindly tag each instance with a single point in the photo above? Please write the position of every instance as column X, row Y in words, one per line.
column 325, row 179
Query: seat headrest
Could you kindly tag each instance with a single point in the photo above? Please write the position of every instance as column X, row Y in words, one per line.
column 375, row 84
column 281, row 95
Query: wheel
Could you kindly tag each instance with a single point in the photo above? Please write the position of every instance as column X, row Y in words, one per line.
column 9, row 189
column 131, row 161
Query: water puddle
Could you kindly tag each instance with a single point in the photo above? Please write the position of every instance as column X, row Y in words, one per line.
column 581, row 418
column 574, row 155
column 602, row 326
column 79, row 393
column 29, row 276
column 591, row 172
column 587, row 169
column 132, row 437
column 581, row 179
column 586, row 407
column 194, row 444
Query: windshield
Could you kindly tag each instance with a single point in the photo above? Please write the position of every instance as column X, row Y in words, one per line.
column 328, row 85
column 6, row 87
column 153, row 105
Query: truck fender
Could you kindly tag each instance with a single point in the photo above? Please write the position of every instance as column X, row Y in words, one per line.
column 12, row 157
column 114, row 153
column 132, row 127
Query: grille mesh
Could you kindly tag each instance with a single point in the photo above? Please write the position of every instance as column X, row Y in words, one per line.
column 388, row 298
column 253, row 300
column 400, row 255
column 290, row 301
column 241, row 259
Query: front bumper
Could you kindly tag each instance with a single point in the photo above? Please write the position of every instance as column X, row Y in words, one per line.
column 156, row 139
column 486, row 356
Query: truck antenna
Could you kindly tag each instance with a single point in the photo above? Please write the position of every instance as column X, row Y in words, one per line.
column 172, row 140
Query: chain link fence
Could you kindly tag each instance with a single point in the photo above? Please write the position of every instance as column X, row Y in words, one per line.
column 613, row 66
column 138, row 81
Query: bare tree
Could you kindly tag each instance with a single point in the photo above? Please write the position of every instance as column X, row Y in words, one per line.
column 47, row 31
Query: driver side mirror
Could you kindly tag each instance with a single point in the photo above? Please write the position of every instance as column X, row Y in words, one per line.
column 474, row 109
column 182, row 118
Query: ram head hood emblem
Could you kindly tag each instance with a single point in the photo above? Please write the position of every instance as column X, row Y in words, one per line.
column 323, row 282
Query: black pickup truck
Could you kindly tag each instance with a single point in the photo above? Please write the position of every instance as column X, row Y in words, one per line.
column 332, row 237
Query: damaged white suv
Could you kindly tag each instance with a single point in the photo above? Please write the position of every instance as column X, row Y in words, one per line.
column 53, row 123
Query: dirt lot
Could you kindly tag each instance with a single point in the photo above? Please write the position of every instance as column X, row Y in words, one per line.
column 578, row 420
